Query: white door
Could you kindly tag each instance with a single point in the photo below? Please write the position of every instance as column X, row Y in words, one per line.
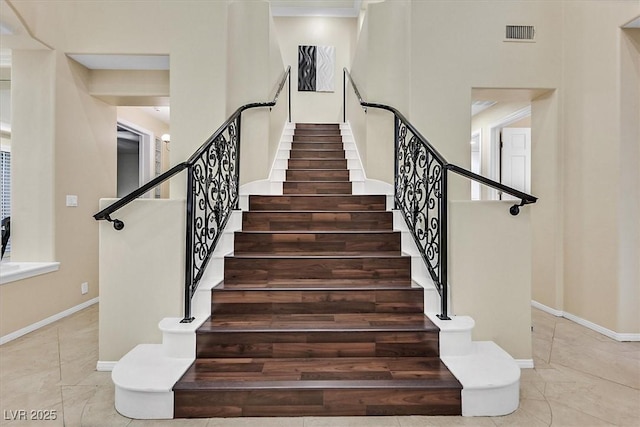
column 516, row 160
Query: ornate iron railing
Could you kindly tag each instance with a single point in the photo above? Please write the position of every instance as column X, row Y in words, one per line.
column 420, row 192
column 213, row 185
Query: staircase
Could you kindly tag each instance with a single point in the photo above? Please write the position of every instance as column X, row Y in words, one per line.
column 318, row 311
column 317, row 314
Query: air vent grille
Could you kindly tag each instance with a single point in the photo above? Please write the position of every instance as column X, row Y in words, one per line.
column 520, row 32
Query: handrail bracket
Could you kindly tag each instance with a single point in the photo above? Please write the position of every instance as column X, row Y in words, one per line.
column 117, row 224
column 515, row 209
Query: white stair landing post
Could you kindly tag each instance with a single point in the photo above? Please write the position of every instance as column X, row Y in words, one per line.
column 490, row 377
column 144, row 380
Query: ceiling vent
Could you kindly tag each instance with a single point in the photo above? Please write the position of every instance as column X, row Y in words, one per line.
column 520, row 33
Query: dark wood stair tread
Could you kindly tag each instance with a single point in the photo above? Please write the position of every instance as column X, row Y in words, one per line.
column 317, row 373
column 223, row 286
column 299, row 181
column 317, row 220
column 340, row 150
column 346, row 232
column 363, row 255
column 320, row 284
column 319, row 202
column 317, row 300
column 314, row 164
column 328, row 254
column 323, row 213
column 294, row 323
column 312, row 145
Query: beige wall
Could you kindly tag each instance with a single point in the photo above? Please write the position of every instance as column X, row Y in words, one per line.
column 447, row 63
column 147, row 283
column 198, row 49
column 355, row 115
column 585, row 246
column 254, row 69
column 492, row 282
column 629, row 226
column 547, row 223
column 62, row 150
column 64, row 141
column 279, row 115
column 339, row 32
column 381, row 70
column 33, row 147
column 597, row 145
column 130, row 87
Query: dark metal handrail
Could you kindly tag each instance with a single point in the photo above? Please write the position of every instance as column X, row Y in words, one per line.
column 213, row 184
column 420, row 191
column 105, row 214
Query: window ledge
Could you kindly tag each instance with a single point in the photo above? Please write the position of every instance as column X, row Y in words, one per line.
column 13, row 271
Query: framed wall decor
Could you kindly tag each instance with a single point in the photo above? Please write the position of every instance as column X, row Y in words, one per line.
column 316, row 68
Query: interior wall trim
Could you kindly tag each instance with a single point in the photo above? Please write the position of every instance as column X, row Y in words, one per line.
column 618, row 336
column 35, row 326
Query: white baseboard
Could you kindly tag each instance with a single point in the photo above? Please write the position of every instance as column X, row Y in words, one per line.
column 587, row 324
column 525, row 363
column 103, row 366
column 547, row 309
column 20, row 332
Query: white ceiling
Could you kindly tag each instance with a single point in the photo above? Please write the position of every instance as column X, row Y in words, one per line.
column 122, row 62
column 633, row 24
column 333, row 8
column 161, row 113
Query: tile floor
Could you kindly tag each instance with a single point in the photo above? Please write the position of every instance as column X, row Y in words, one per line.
column 581, row 378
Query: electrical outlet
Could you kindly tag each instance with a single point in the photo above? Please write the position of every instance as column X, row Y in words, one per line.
column 84, row 288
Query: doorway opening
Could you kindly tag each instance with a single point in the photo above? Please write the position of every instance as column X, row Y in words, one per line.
column 511, row 149
column 136, row 165
column 501, row 138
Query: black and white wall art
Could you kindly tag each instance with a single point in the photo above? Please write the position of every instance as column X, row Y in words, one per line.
column 316, row 68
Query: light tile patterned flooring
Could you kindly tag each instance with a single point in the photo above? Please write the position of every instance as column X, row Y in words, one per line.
column 581, row 378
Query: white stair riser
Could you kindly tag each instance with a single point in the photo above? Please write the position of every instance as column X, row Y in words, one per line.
column 179, row 345
column 488, row 402
column 455, row 343
column 144, row 405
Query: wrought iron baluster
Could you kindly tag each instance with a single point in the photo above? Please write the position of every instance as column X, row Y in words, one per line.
column 188, row 271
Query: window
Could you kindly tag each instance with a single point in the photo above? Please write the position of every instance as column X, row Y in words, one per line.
column 5, row 196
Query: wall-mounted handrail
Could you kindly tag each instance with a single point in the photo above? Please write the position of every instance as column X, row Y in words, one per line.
column 525, row 198
column 105, row 214
column 213, row 184
column 421, row 191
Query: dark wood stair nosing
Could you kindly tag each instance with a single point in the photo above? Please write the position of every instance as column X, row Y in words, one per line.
column 319, row 385
column 372, row 232
column 371, row 255
column 291, row 330
column 412, row 286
